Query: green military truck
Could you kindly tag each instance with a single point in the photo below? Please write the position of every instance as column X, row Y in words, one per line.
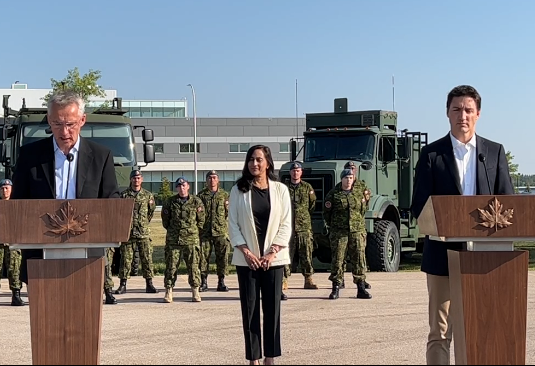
column 386, row 160
column 107, row 126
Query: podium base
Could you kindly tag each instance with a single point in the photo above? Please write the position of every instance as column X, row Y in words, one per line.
column 65, row 298
column 489, row 292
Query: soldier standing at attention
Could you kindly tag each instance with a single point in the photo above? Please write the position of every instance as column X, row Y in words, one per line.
column 214, row 235
column 361, row 188
column 303, row 204
column 144, row 207
column 183, row 217
column 343, row 213
column 12, row 258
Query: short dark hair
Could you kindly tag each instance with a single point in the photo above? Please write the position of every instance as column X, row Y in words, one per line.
column 246, row 180
column 464, row 91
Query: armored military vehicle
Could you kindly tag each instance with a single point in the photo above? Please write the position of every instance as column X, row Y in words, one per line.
column 386, row 159
column 108, row 126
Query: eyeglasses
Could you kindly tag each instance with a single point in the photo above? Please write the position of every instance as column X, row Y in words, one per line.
column 69, row 125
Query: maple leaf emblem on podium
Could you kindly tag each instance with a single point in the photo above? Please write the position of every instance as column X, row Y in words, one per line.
column 495, row 216
column 66, row 223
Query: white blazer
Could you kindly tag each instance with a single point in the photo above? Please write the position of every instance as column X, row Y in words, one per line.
column 242, row 228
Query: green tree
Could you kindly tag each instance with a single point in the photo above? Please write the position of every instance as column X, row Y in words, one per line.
column 513, row 169
column 85, row 85
column 165, row 190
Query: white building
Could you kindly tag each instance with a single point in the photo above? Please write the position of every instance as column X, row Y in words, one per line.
column 136, row 108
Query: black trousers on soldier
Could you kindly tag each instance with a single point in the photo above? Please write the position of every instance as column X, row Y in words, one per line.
column 251, row 285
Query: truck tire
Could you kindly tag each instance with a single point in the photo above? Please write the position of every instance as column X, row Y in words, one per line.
column 383, row 249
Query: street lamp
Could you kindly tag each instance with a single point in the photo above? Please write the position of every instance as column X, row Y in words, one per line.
column 194, row 137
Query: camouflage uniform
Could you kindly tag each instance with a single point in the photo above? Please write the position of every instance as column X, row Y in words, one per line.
column 303, row 204
column 144, row 207
column 343, row 213
column 108, row 278
column 214, row 235
column 183, row 218
column 12, row 259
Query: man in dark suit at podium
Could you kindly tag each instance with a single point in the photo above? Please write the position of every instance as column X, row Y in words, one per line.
column 460, row 163
column 64, row 165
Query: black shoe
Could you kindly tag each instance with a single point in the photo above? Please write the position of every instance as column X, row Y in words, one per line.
column 16, row 299
column 361, row 291
column 221, row 285
column 150, row 289
column 204, row 284
column 367, row 286
column 284, row 297
column 122, row 288
column 110, row 300
column 335, row 293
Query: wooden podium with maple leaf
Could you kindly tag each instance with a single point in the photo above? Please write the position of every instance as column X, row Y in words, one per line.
column 488, row 278
column 65, row 288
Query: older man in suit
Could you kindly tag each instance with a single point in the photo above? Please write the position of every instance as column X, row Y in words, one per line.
column 43, row 171
column 460, row 163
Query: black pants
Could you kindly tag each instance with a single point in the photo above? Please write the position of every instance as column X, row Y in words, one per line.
column 251, row 283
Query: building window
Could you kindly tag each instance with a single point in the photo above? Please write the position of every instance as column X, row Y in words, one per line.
column 188, row 148
column 284, row 147
column 158, row 148
column 238, row 148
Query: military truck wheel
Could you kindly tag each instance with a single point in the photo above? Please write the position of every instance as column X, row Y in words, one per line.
column 383, row 249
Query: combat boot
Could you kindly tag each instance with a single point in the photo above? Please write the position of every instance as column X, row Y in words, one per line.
column 361, row 291
column 122, row 288
column 335, row 293
column 221, row 285
column 367, row 286
column 168, row 295
column 150, row 289
column 309, row 283
column 110, row 299
column 195, row 295
column 16, row 299
column 204, row 284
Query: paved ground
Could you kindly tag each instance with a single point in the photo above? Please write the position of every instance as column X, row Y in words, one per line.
column 390, row 329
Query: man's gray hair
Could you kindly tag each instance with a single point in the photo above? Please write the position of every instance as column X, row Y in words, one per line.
column 64, row 98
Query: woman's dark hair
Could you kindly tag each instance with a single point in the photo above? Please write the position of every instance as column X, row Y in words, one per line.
column 246, row 180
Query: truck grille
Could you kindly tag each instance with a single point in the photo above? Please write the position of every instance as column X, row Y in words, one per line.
column 322, row 184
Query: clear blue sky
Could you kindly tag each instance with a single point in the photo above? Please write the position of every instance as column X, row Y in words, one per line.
column 243, row 57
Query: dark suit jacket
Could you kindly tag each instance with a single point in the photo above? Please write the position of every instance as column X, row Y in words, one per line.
column 437, row 174
column 34, row 177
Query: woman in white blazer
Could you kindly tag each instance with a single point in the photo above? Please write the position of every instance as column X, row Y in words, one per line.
column 260, row 227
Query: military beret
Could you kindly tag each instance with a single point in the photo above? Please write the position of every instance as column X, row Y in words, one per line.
column 135, row 173
column 6, row 182
column 296, row 165
column 180, row 181
column 345, row 173
column 211, row 172
column 350, row 164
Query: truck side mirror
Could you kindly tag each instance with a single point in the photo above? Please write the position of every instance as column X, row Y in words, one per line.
column 405, row 148
column 147, row 134
column 366, row 165
column 148, row 153
column 293, row 150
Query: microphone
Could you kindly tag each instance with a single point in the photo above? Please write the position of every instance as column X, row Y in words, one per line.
column 70, row 158
column 483, row 159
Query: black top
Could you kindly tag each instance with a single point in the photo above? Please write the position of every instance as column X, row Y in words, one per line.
column 261, row 206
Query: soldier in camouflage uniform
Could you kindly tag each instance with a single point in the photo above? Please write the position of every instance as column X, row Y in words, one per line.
column 343, row 212
column 108, row 279
column 351, row 165
column 11, row 258
column 183, row 217
column 144, row 207
column 303, row 204
column 214, row 235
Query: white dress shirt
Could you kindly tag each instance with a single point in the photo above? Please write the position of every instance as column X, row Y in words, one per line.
column 62, row 170
column 466, row 160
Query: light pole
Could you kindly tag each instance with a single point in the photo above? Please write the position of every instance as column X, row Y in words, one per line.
column 194, row 137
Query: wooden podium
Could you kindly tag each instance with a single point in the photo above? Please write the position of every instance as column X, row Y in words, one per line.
column 489, row 278
column 65, row 288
